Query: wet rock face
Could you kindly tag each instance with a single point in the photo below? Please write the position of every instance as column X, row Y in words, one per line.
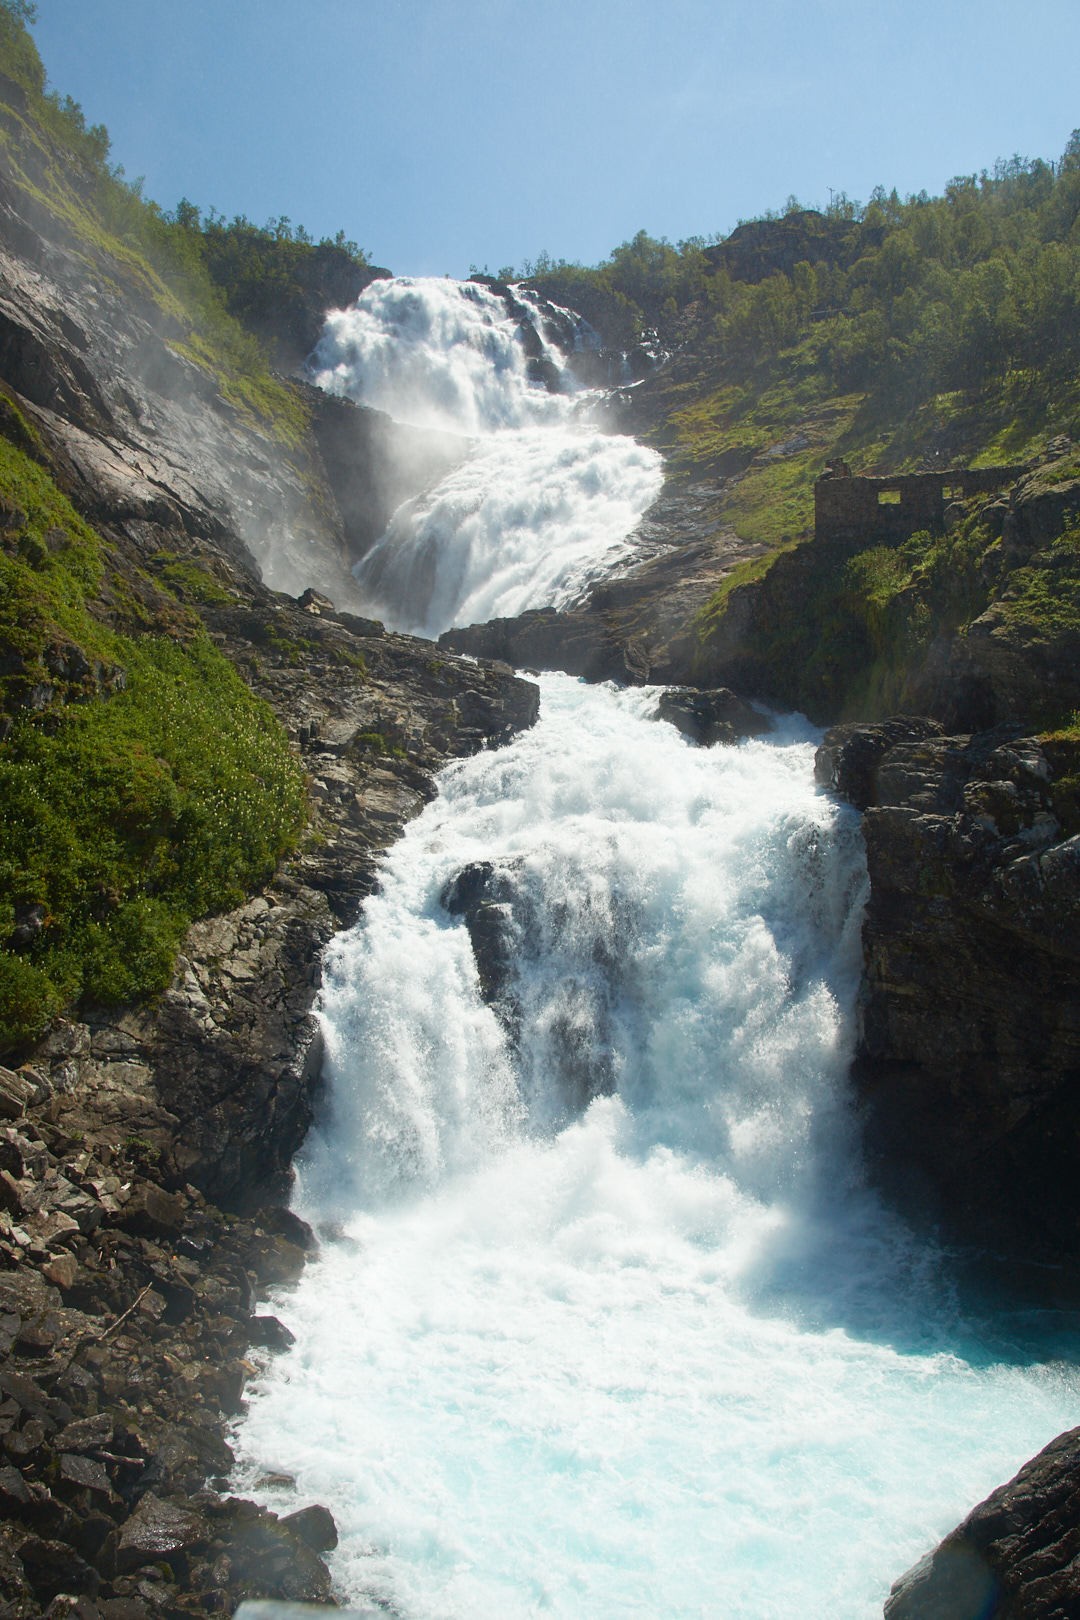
column 129, row 1302
column 579, row 643
column 491, row 902
column 220, row 1073
column 637, row 627
column 847, row 761
column 140, row 432
column 969, row 1046
column 1014, row 1555
column 374, row 463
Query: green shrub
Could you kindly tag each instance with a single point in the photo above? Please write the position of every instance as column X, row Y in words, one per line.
column 127, row 817
column 28, row 999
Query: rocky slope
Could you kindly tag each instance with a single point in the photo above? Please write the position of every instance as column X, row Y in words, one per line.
column 640, row 624
column 145, row 1149
column 129, row 1298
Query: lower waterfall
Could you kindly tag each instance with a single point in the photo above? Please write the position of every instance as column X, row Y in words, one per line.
column 606, row 1322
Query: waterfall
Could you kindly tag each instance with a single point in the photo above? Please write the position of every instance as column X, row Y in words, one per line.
column 606, row 1321
column 543, row 504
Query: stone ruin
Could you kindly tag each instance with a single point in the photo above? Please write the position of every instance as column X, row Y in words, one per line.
column 888, row 510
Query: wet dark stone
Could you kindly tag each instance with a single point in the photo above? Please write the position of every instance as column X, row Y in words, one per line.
column 275, row 1260
column 53, row 1567
column 85, row 1473
column 1015, row 1557
column 152, row 1212
column 157, row 1530
column 284, row 1223
column 270, row 1334
column 86, row 1434
column 849, row 756
column 13, row 1491
column 315, row 1526
column 499, row 918
column 716, row 716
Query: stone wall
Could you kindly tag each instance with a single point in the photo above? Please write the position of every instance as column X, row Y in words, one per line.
column 890, row 509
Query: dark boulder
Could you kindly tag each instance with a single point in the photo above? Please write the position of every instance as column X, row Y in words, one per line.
column 552, row 965
column 1015, row 1557
column 158, row 1531
column 270, row 1334
column 495, row 911
column 315, row 1526
column 715, row 716
column 576, row 642
column 51, row 1567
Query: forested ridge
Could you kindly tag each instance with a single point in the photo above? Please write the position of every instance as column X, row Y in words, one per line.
column 901, row 334
column 924, row 293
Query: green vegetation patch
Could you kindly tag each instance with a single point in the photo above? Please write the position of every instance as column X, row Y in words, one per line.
column 124, row 819
column 1043, row 598
column 377, row 742
column 189, row 580
column 1062, row 749
column 744, row 573
column 141, row 783
column 842, row 634
column 775, row 499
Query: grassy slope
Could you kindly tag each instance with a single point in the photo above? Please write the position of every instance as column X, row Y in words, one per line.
column 141, row 783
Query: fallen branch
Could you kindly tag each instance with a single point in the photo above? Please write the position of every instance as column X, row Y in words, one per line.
column 123, row 1315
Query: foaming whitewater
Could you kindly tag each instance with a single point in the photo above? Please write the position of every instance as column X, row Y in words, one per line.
column 605, row 1322
column 542, row 504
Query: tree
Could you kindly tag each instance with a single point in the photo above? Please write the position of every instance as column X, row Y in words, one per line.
column 20, row 11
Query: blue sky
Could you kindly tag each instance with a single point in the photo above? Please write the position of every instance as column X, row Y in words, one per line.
column 444, row 133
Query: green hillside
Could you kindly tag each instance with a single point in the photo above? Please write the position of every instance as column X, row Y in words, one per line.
column 903, row 335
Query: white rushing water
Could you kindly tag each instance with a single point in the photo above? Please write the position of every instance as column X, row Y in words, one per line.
column 610, row 1325
column 543, row 502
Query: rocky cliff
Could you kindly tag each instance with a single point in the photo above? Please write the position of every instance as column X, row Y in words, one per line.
column 968, row 1054
column 1014, row 1556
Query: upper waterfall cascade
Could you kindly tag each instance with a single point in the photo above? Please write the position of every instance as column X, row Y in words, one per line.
column 544, row 502
column 606, row 1322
